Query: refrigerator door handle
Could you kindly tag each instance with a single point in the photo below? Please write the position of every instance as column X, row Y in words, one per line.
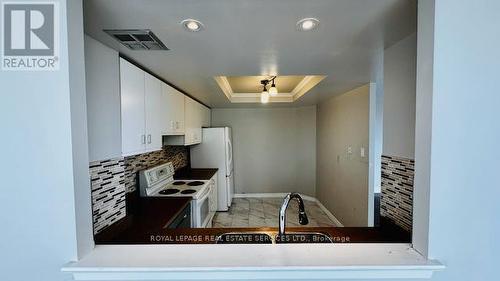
column 230, row 152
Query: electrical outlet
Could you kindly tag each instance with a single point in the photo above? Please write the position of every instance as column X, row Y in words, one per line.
column 362, row 152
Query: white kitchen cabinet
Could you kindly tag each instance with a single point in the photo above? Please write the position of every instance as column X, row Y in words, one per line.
column 151, row 109
column 144, row 113
column 156, row 112
column 192, row 117
column 102, row 78
column 132, row 109
column 196, row 116
column 175, row 110
column 206, row 114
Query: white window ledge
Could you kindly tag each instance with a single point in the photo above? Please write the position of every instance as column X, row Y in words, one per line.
column 237, row 262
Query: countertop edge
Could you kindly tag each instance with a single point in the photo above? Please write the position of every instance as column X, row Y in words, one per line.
column 362, row 261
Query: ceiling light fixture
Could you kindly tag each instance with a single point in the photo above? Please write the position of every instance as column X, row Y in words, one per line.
column 273, row 91
column 192, row 25
column 264, row 96
column 307, row 24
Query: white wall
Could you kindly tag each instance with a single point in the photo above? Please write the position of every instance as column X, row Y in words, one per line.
column 274, row 148
column 81, row 179
column 399, row 98
column 342, row 177
column 376, row 127
column 38, row 195
column 465, row 137
column 103, row 100
column 423, row 124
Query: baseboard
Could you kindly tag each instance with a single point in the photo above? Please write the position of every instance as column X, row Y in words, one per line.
column 270, row 195
column 259, row 195
column 282, row 195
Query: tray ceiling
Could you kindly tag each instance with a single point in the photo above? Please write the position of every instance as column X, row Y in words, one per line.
column 243, row 37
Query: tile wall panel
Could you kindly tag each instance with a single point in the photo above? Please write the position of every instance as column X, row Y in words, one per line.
column 111, row 179
column 397, row 190
column 178, row 155
column 107, row 179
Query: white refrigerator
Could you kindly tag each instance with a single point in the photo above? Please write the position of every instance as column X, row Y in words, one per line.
column 216, row 151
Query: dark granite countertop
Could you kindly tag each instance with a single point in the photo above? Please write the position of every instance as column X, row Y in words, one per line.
column 209, row 235
column 195, row 174
column 145, row 216
column 144, row 225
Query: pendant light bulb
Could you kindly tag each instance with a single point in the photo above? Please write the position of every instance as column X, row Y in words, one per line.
column 264, row 96
column 273, row 91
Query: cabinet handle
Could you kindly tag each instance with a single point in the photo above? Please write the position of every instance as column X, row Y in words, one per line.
column 149, row 138
column 143, row 139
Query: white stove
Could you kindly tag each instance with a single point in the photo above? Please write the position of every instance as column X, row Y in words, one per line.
column 159, row 182
column 180, row 188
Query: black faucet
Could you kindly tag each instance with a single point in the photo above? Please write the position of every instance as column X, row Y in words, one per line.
column 302, row 212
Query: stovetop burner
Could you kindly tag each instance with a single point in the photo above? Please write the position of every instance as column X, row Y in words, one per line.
column 179, row 183
column 195, row 183
column 169, row 191
column 188, row 191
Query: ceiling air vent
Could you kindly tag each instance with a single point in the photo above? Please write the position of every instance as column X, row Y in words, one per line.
column 137, row 39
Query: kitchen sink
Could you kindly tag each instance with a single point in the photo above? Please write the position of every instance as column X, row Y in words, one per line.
column 281, row 236
column 273, row 238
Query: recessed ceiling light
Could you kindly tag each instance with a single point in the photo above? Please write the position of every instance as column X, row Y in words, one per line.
column 307, row 24
column 192, row 25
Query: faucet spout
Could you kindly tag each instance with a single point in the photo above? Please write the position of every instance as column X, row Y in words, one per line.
column 303, row 220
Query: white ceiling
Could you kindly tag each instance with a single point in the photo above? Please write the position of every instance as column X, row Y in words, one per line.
column 258, row 37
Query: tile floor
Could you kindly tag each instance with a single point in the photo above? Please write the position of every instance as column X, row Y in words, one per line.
column 263, row 212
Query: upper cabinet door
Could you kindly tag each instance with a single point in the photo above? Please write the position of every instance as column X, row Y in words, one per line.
column 175, row 110
column 199, row 122
column 132, row 108
column 156, row 112
column 206, row 116
column 190, row 120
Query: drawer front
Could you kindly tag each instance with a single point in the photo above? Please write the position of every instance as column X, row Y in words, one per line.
column 183, row 220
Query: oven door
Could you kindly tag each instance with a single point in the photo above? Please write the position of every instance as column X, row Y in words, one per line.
column 202, row 210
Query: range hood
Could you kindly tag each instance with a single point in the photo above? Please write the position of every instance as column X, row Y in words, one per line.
column 177, row 140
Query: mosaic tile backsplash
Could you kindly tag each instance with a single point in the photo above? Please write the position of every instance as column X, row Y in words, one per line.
column 111, row 179
column 107, row 180
column 397, row 190
column 178, row 155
